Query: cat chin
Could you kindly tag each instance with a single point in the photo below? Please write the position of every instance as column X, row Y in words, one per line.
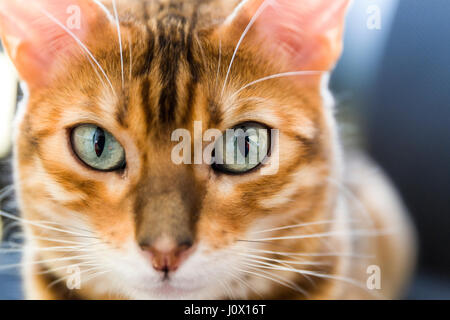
column 151, row 291
column 154, row 288
column 168, row 292
column 194, row 288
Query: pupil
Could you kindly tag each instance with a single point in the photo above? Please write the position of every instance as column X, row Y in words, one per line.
column 99, row 141
column 244, row 148
column 247, row 146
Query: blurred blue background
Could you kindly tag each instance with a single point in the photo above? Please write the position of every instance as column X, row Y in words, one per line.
column 393, row 83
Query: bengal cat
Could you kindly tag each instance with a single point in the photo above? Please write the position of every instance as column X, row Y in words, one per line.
column 104, row 202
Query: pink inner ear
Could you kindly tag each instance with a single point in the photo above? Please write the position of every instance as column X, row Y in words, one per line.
column 33, row 38
column 307, row 32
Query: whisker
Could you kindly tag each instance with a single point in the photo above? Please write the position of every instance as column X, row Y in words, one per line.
column 244, row 283
column 271, row 277
column 281, row 262
column 348, row 280
column 18, row 265
column 87, row 263
column 80, row 43
column 52, row 249
column 62, row 225
column 278, row 76
column 260, row 10
column 332, row 254
column 300, row 225
column 95, row 275
column 351, row 196
column 62, row 241
column 18, row 223
column 281, row 278
column 227, row 288
column 102, row 6
column 9, row 244
column 264, row 242
column 6, row 192
column 119, row 33
column 71, row 275
column 36, row 224
column 286, row 262
column 366, row 233
column 11, row 226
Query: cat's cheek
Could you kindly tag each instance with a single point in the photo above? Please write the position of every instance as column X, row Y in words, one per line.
column 222, row 224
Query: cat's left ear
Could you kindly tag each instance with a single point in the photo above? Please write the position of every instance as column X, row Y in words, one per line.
column 306, row 34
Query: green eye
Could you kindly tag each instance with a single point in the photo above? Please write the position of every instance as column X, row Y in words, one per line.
column 97, row 148
column 242, row 148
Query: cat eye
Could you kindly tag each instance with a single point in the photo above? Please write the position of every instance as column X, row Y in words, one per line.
column 242, row 148
column 97, row 148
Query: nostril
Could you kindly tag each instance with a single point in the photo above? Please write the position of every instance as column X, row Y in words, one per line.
column 167, row 258
column 163, row 261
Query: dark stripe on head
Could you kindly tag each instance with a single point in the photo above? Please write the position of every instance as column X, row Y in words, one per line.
column 171, row 45
column 194, row 66
column 150, row 52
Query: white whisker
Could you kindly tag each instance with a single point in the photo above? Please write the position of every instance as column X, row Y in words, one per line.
column 87, row 263
column 366, row 233
column 63, row 241
column 325, row 254
column 95, row 275
column 53, row 249
column 6, row 192
column 119, row 34
column 351, row 196
column 36, row 224
column 278, row 76
column 80, row 43
column 260, row 10
column 300, row 225
column 18, row 265
column 105, row 10
column 71, row 275
column 245, row 284
column 286, row 262
column 227, row 289
column 348, row 280
column 275, row 278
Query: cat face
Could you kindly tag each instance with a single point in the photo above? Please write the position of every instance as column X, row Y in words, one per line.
column 95, row 141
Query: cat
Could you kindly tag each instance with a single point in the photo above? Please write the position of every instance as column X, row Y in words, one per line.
column 107, row 212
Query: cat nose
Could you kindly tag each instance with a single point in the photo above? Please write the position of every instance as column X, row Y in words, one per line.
column 167, row 255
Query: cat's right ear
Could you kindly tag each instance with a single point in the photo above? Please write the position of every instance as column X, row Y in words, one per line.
column 37, row 34
column 305, row 34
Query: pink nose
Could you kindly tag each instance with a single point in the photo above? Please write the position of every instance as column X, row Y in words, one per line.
column 167, row 255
